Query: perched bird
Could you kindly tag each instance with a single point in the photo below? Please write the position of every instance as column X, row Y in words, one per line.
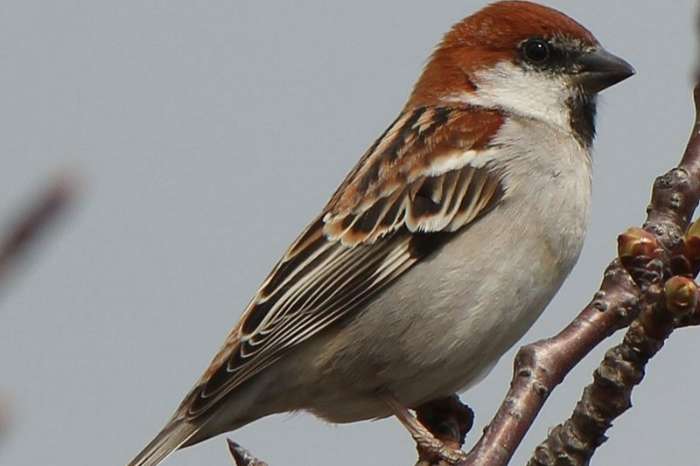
column 438, row 251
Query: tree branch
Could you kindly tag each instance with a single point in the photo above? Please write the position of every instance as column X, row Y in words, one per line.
column 541, row 366
column 609, row 396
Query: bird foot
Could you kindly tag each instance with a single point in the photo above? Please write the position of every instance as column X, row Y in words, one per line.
column 448, row 420
column 439, row 416
column 435, row 453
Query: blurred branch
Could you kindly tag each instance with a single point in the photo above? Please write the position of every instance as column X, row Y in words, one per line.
column 32, row 223
column 23, row 233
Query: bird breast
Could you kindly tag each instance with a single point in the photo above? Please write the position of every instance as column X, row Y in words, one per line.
column 443, row 324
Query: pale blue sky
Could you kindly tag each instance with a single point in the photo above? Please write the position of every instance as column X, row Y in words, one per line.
column 208, row 134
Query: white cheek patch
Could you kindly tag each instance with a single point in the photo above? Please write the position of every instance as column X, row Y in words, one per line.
column 527, row 93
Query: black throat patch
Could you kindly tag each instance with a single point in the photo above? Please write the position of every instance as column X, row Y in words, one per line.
column 583, row 109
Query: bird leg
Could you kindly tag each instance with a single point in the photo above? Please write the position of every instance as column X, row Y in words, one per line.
column 428, row 445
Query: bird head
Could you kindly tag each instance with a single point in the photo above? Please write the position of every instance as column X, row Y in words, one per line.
column 525, row 59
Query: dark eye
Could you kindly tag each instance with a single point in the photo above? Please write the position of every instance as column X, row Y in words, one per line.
column 536, row 51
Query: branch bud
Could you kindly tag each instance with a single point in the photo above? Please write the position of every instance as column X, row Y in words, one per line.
column 636, row 242
column 692, row 242
column 681, row 295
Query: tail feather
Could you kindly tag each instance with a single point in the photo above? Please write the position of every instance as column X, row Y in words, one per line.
column 172, row 437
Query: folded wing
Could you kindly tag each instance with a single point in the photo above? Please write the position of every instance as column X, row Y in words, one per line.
column 428, row 176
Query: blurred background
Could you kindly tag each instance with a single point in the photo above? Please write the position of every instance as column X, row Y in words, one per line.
column 206, row 135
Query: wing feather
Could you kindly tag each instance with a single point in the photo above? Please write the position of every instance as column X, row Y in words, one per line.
column 425, row 178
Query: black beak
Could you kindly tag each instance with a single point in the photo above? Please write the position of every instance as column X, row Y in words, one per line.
column 600, row 69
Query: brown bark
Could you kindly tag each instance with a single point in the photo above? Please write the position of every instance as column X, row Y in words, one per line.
column 575, row 441
column 541, row 366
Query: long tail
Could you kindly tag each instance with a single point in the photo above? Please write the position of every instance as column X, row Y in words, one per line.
column 172, row 437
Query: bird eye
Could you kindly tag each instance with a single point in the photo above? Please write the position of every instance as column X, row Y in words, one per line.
column 536, row 51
